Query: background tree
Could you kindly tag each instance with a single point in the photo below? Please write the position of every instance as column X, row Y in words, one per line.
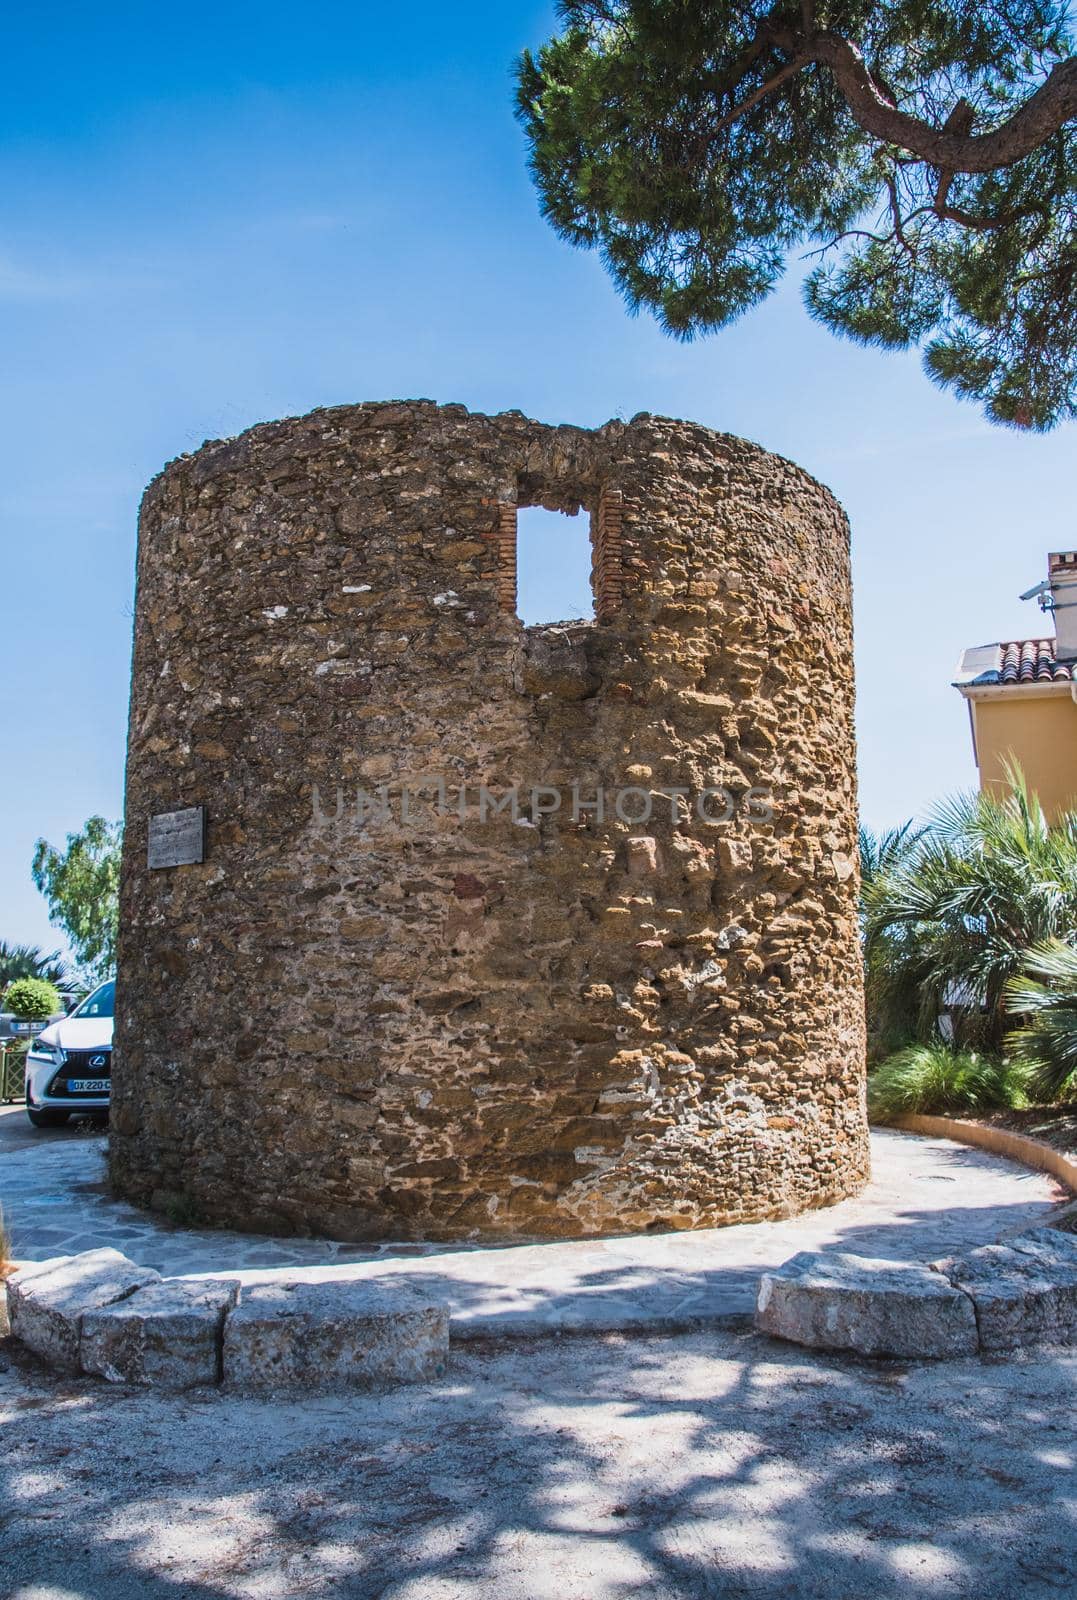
column 925, row 148
column 32, row 999
column 81, row 885
column 890, row 986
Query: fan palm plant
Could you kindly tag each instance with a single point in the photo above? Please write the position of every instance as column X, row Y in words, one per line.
column 949, row 928
column 1045, row 996
column 883, row 854
column 28, row 961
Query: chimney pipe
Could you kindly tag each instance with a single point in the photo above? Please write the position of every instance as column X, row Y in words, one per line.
column 1062, row 573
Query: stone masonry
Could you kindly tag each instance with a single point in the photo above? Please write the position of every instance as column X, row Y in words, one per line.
column 443, row 1013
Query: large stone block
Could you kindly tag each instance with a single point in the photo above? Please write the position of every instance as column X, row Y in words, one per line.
column 168, row 1334
column 326, row 1336
column 23, row 1273
column 1025, row 1291
column 47, row 1301
column 875, row 1307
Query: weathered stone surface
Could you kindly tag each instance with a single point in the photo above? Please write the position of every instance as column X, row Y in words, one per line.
column 329, row 1336
column 1064, row 1219
column 1025, row 1291
column 469, row 1021
column 23, row 1273
column 1018, row 1300
column 47, row 1301
column 167, row 1334
column 1054, row 1246
column 875, row 1307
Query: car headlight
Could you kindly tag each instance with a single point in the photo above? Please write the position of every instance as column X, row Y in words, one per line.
column 45, row 1052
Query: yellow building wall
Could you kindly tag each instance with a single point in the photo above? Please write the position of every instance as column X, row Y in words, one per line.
column 1041, row 734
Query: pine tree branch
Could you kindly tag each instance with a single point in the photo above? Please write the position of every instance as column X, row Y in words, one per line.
column 1045, row 111
column 791, row 68
column 952, row 148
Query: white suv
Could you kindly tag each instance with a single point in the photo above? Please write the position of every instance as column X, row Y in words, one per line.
column 69, row 1064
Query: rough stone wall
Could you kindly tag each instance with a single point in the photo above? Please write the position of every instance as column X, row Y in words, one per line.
column 444, row 1025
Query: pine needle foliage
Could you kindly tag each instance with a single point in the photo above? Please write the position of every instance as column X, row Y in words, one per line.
column 924, row 152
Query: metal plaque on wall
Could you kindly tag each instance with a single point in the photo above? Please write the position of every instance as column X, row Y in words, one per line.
column 177, row 838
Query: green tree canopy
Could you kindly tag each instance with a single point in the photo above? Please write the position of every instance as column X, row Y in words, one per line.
column 81, row 885
column 926, row 149
column 32, row 999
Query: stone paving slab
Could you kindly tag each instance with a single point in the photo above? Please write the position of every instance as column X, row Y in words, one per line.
column 1053, row 1247
column 927, row 1198
column 997, row 1298
column 322, row 1337
column 1025, row 1290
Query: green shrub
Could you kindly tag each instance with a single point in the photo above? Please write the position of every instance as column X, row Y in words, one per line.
column 32, row 999
column 932, row 1078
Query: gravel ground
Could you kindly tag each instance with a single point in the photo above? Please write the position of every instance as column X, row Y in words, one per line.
column 719, row 1464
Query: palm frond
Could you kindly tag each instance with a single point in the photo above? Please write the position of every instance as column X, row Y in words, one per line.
column 28, row 961
column 1044, row 994
column 952, row 924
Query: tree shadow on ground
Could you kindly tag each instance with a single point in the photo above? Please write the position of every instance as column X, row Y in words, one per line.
column 714, row 1463
column 717, row 1464
column 682, row 1293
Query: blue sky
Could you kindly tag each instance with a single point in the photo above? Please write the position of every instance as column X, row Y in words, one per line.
column 210, row 216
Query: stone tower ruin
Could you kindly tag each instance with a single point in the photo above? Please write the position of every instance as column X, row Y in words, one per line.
column 494, row 931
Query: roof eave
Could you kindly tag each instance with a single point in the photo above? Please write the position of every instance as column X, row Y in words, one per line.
column 1017, row 691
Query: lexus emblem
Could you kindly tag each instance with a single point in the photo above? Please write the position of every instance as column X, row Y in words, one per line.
column 99, row 1061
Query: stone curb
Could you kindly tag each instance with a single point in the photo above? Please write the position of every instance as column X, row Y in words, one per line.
column 47, row 1301
column 874, row 1307
column 999, row 1141
column 102, row 1315
column 1000, row 1298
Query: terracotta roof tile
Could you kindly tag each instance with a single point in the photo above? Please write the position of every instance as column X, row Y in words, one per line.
column 1031, row 661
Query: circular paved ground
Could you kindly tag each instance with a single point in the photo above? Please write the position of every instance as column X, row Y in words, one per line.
column 927, row 1198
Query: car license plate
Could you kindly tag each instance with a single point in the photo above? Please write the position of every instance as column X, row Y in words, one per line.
column 89, row 1085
